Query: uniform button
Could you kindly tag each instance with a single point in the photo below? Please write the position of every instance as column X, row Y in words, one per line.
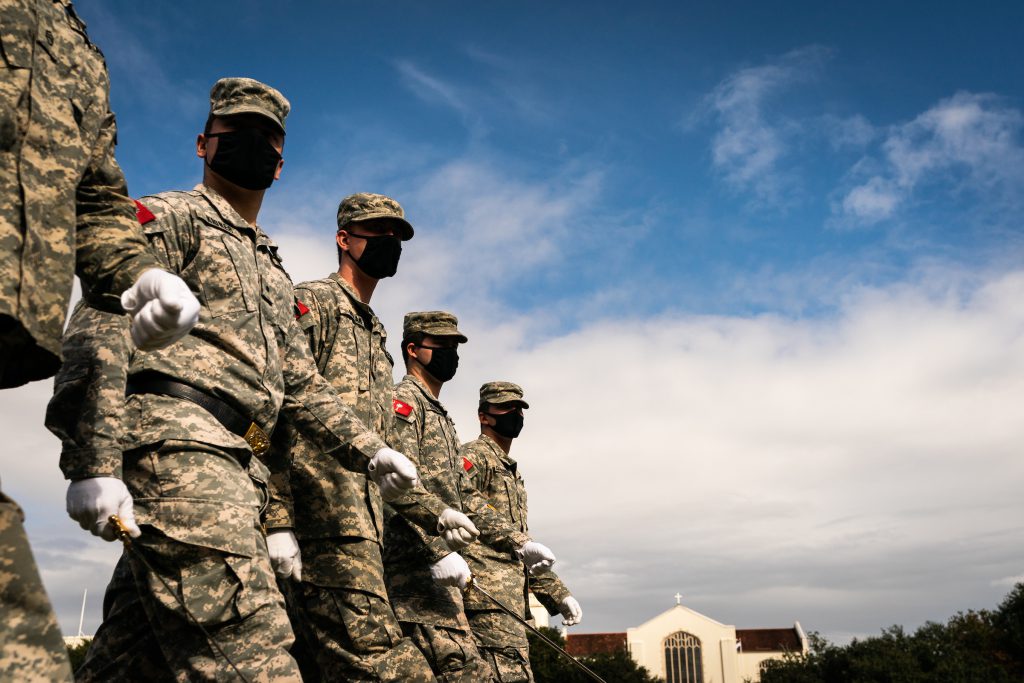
column 49, row 37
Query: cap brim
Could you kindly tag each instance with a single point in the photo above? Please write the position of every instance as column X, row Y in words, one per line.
column 516, row 401
column 407, row 231
column 248, row 109
column 449, row 333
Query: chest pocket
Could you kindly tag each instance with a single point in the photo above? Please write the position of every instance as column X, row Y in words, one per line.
column 66, row 78
column 515, row 493
column 227, row 274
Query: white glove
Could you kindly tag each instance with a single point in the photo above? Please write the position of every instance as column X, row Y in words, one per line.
column 394, row 473
column 90, row 502
column 572, row 613
column 456, row 529
column 451, row 570
column 163, row 309
column 284, row 554
column 537, row 557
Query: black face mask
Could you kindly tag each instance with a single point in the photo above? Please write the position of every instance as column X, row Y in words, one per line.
column 508, row 424
column 380, row 255
column 244, row 157
column 443, row 362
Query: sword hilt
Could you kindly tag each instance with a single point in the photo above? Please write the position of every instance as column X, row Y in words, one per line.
column 119, row 528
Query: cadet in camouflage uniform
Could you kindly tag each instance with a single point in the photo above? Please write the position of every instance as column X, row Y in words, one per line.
column 64, row 208
column 197, row 417
column 422, row 572
column 496, row 476
column 340, row 611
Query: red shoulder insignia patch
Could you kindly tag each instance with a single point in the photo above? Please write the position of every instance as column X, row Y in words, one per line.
column 403, row 409
column 301, row 309
column 466, row 464
column 143, row 213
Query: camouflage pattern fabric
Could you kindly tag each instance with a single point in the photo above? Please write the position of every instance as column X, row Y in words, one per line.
column 424, row 432
column 199, row 515
column 234, row 96
column 341, row 611
column 503, row 645
column 87, row 409
column 452, row 653
column 365, row 206
column 496, row 476
column 31, row 648
column 246, row 349
column 65, row 206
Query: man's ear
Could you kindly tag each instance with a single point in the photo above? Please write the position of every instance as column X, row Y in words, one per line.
column 341, row 239
column 201, row 146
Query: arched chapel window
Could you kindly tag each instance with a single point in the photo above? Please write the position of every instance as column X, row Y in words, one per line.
column 683, row 662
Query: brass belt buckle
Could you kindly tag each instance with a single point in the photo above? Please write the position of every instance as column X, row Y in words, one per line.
column 257, row 440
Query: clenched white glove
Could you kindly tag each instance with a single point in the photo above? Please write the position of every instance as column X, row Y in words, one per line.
column 537, row 557
column 90, row 502
column 163, row 309
column 572, row 613
column 394, row 473
column 451, row 570
column 456, row 529
column 284, row 554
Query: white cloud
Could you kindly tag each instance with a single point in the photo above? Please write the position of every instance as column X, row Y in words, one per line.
column 848, row 132
column 850, row 472
column 430, row 88
column 968, row 142
column 873, row 201
column 751, row 139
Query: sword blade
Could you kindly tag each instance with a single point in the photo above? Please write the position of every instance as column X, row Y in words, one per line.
column 537, row 632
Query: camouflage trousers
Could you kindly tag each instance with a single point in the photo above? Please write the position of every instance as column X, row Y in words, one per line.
column 199, row 514
column 344, row 625
column 452, row 654
column 31, row 647
column 503, row 644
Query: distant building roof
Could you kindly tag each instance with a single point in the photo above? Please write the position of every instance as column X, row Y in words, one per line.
column 769, row 639
column 586, row 644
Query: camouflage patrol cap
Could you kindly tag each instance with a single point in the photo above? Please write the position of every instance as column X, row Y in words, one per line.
column 502, row 392
column 364, row 206
column 434, row 323
column 230, row 96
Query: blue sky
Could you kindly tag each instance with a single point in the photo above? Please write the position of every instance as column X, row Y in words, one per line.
column 633, row 106
column 758, row 269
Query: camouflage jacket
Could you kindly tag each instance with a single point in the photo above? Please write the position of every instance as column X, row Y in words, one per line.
column 65, row 205
column 424, row 432
column 496, row 476
column 247, row 348
column 309, row 492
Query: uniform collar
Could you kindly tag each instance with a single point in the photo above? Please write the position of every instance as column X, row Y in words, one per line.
column 228, row 214
column 350, row 292
column 415, row 381
column 499, row 451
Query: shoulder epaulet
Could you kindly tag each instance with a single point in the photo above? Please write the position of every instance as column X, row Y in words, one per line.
column 143, row 213
column 402, row 408
column 301, row 309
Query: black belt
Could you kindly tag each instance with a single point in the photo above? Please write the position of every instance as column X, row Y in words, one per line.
column 231, row 419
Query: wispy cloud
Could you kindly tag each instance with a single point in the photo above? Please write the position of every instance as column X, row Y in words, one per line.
column 753, row 137
column 966, row 143
column 431, row 88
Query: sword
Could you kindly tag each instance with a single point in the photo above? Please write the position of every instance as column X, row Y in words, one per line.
column 472, row 583
column 122, row 534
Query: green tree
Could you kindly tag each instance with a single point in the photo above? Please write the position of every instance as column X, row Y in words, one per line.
column 972, row 647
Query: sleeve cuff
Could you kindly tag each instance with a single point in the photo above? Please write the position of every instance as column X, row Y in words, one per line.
column 368, row 443
column 87, row 463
